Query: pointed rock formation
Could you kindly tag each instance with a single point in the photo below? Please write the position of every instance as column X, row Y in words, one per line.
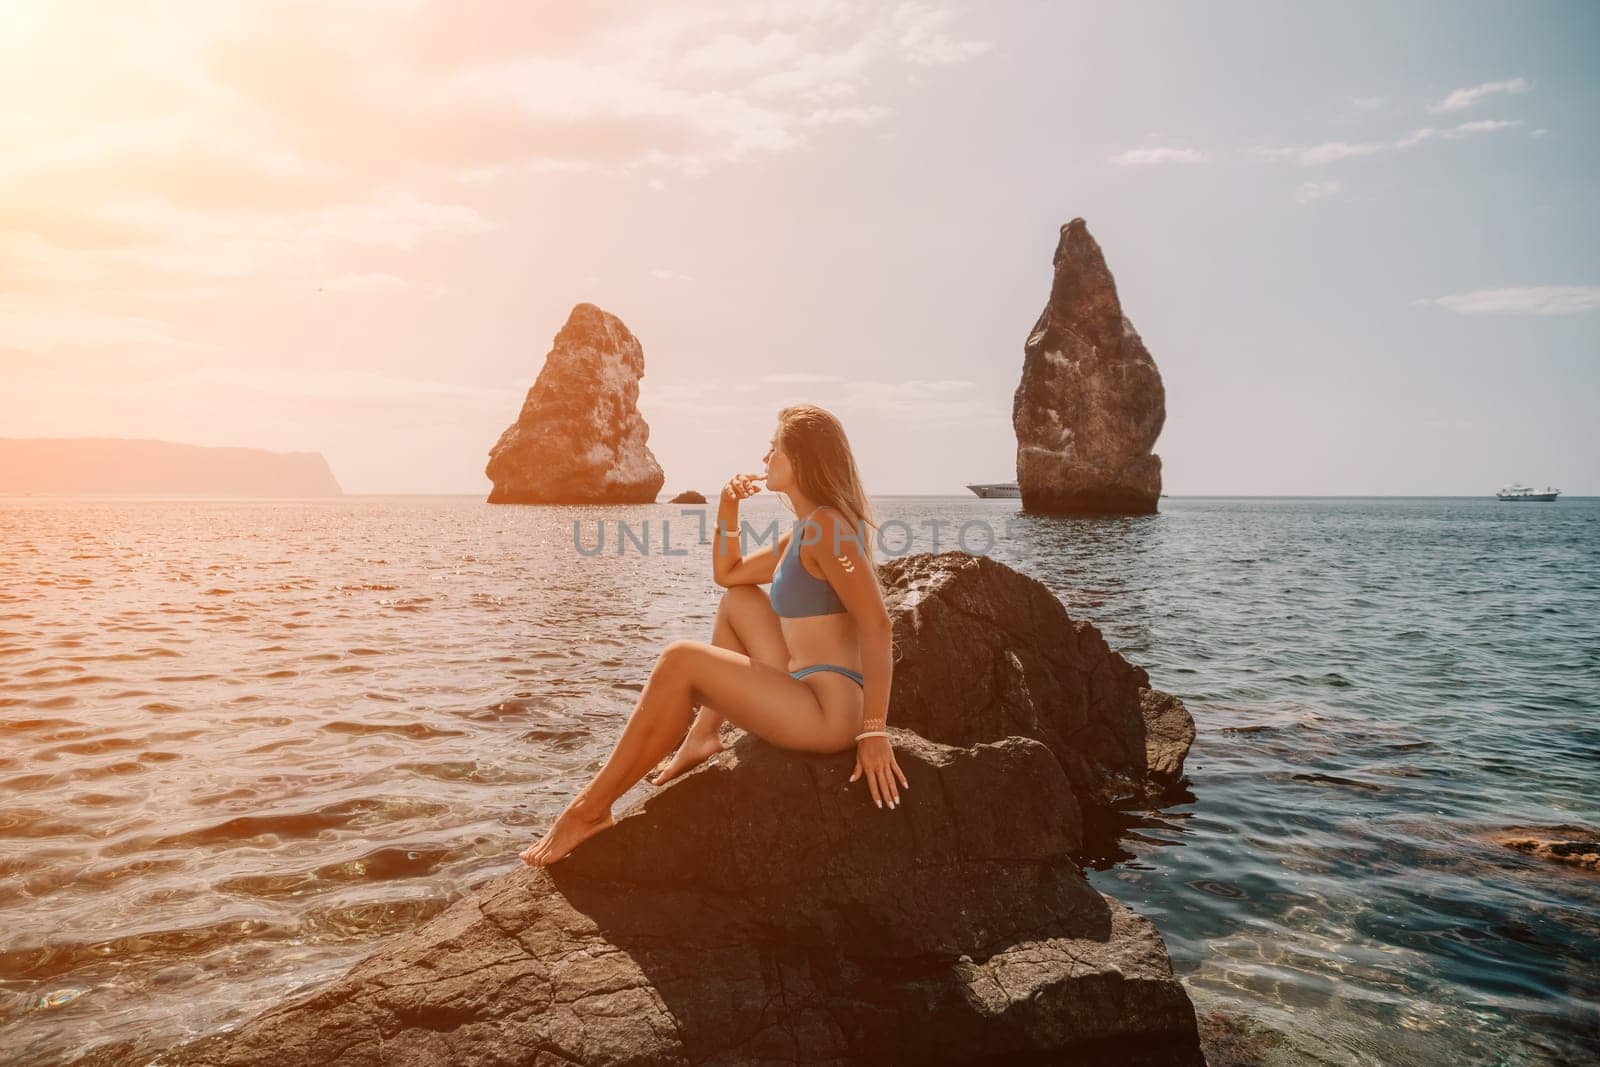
column 579, row 438
column 1091, row 404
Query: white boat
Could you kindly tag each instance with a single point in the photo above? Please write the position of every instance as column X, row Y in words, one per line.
column 1009, row 490
column 1526, row 492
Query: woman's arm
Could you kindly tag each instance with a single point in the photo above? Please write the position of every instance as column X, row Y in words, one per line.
column 877, row 672
column 728, row 566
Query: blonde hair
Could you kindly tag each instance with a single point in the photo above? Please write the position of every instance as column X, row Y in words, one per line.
column 825, row 469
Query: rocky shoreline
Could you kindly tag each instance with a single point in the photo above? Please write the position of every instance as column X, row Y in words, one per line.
column 761, row 909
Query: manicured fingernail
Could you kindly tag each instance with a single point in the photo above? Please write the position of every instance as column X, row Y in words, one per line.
column 878, row 802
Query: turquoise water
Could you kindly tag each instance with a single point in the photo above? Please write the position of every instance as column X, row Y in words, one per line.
column 246, row 742
column 1376, row 683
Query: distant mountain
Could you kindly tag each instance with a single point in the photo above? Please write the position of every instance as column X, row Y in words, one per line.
column 114, row 465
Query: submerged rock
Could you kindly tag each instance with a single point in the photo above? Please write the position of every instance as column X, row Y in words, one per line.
column 1241, row 1041
column 688, row 496
column 1090, row 404
column 761, row 909
column 1576, row 846
column 983, row 651
column 579, row 438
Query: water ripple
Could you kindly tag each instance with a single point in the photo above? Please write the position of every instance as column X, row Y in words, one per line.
column 240, row 757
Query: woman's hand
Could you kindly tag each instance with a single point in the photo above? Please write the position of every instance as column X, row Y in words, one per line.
column 875, row 759
column 741, row 486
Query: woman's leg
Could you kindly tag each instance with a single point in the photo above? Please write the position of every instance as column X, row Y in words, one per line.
column 754, row 696
column 745, row 623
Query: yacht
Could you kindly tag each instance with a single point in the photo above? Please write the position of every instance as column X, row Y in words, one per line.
column 1527, row 492
column 1010, row 490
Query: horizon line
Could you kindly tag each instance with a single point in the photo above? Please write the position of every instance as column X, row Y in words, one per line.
column 36, row 495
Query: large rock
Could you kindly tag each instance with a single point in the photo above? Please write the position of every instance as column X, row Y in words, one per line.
column 579, row 438
column 1090, row 404
column 761, row 909
column 983, row 652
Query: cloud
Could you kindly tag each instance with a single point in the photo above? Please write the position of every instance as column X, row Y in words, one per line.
column 799, row 378
column 183, row 141
column 327, row 383
column 1465, row 129
column 922, row 402
column 923, row 37
column 27, row 327
column 1313, row 155
column 256, row 244
column 1149, row 156
column 1310, row 191
column 941, row 401
column 694, row 86
column 730, row 402
column 1333, row 151
column 363, row 283
column 669, row 275
column 1367, row 103
column 1461, row 99
column 1522, row 300
column 848, row 116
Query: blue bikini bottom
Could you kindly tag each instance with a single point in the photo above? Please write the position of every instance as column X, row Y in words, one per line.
column 854, row 676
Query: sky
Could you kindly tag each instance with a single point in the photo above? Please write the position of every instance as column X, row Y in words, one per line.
column 1360, row 240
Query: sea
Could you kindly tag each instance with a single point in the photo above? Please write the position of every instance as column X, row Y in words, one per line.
column 245, row 743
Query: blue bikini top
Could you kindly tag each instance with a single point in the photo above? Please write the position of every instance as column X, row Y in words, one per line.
column 795, row 592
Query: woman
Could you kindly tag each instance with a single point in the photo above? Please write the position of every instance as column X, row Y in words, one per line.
column 808, row 669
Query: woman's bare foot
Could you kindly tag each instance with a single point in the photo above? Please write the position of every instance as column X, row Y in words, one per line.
column 580, row 820
column 697, row 747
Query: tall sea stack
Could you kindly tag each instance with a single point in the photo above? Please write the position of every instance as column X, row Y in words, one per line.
column 1091, row 404
column 579, row 438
